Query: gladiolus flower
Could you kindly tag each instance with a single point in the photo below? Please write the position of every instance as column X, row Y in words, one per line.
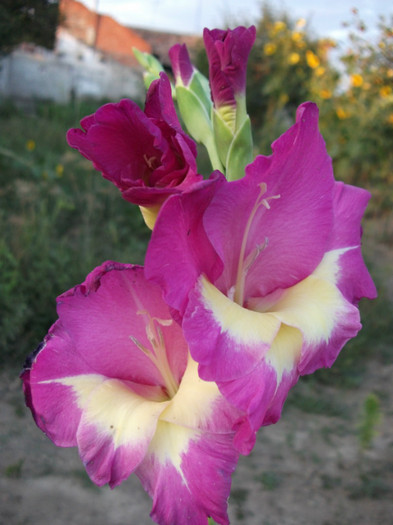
column 145, row 154
column 227, row 52
column 114, row 377
column 183, row 70
column 265, row 272
column 194, row 101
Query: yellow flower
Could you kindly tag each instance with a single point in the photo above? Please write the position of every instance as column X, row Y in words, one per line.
column 381, row 45
column 320, row 70
column 30, row 145
column 389, row 73
column 279, row 26
column 297, row 36
column 312, row 59
column 269, row 48
column 300, row 23
column 385, row 91
column 59, row 170
column 284, row 98
column 342, row 114
column 390, row 118
column 357, row 80
column 325, row 93
column 293, row 58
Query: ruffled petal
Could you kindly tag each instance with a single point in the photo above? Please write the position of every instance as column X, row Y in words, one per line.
column 107, row 138
column 188, row 467
column 106, row 326
column 200, row 489
column 145, row 154
column 353, row 279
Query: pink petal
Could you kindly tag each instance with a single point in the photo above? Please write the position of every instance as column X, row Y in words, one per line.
column 354, row 279
column 293, row 234
column 100, row 324
column 179, row 250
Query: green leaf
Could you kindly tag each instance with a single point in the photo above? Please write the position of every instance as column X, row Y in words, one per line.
column 152, row 66
column 240, row 152
column 223, row 136
column 197, row 122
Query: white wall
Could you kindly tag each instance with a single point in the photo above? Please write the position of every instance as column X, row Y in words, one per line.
column 73, row 70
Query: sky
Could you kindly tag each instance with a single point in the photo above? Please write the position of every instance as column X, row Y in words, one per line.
column 324, row 17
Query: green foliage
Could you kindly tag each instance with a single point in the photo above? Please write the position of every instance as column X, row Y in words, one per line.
column 286, row 65
column 371, row 485
column 14, row 471
column 370, row 419
column 28, row 21
column 59, row 219
column 270, row 480
column 310, row 400
column 358, row 121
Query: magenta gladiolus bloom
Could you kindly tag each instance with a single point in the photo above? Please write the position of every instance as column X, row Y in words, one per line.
column 114, row 377
column 228, row 52
column 265, row 272
column 181, row 63
column 146, row 154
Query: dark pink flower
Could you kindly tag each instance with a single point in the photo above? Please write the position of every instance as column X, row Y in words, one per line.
column 114, row 378
column 227, row 52
column 183, row 70
column 265, row 272
column 145, row 154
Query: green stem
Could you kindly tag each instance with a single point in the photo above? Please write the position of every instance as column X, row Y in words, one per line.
column 210, row 145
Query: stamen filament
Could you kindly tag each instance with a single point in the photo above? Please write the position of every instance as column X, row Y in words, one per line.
column 157, row 353
column 245, row 263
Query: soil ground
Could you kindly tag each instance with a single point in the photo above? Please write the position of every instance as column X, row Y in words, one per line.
column 306, row 470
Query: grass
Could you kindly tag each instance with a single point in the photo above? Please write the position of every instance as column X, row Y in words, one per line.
column 59, row 219
column 270, row 480
column 14, row 471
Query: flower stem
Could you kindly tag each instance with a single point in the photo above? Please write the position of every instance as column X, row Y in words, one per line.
column 210, row 145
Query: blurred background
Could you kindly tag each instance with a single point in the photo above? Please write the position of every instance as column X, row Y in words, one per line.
column 330, row 459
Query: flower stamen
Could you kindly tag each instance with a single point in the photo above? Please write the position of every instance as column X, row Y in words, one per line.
column 157, row 352
column 245, row 263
